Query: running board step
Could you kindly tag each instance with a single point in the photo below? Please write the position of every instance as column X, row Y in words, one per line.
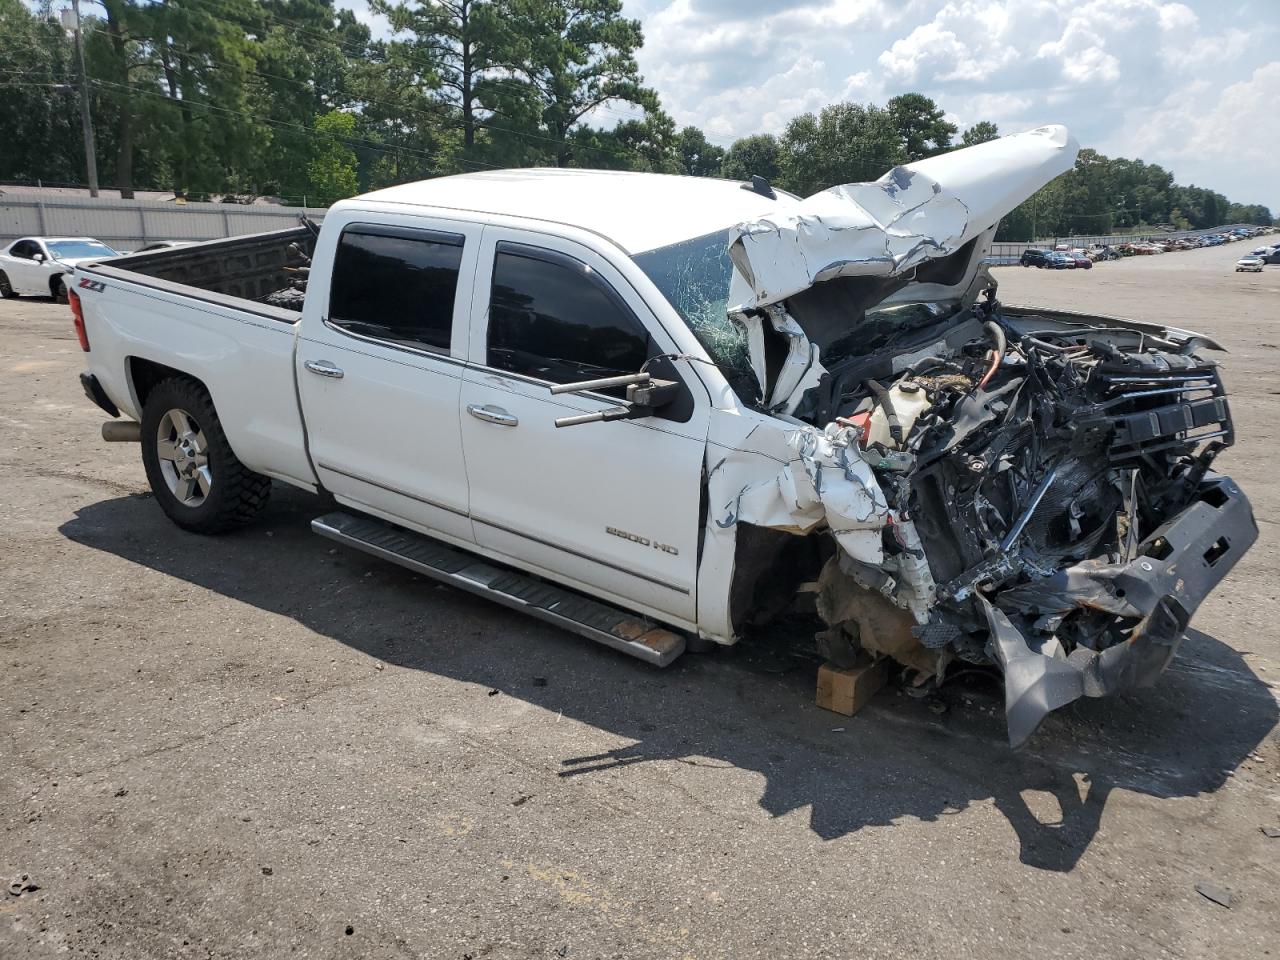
column 565, row 608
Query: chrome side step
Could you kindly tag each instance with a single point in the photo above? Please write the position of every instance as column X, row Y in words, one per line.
column 565, row 608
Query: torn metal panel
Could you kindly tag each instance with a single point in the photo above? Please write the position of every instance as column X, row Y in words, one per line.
column 1155, row 594
column 799, row 369
column 912, row 214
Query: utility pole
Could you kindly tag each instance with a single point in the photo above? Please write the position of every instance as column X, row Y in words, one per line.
column 86, row 124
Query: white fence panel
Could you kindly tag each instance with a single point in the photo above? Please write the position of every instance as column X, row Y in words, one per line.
column 128, row 224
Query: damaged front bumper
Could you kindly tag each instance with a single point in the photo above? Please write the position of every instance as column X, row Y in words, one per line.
column 1158, row 592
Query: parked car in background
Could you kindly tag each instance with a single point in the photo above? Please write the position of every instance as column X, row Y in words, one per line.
column 1057, row 260
column 1250, row 264
column 36, row 266
column 1272, row 256
column 1080, row 260
column 1034, row 258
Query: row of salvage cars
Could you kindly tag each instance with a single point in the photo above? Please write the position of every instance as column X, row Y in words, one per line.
column 1064, row 256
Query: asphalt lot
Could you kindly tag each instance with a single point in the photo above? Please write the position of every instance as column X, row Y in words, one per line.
column 259, row 746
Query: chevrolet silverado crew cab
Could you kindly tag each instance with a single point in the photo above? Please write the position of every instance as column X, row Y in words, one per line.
column 653, row 409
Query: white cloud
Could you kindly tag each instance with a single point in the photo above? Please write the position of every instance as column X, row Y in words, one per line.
column 1116, row 71
column 1226, row 139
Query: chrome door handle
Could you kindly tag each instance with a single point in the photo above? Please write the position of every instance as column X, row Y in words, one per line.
column 324, row 368
column 492, row 414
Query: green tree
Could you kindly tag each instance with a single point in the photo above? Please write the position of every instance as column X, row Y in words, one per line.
column 844, row 143
column 980, row 132
column 574, row 57
column 922, row 127
column 332, row 170
column 39, row 123
column 698, row 156
column 649, row 143
column 455, row 46
column 756, row 156
column 213, row 131
column 309, row 59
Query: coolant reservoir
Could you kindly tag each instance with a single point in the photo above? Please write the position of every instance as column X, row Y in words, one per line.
column 909, row 402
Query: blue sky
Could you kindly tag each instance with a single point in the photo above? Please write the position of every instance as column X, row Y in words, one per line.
column 1191, row 84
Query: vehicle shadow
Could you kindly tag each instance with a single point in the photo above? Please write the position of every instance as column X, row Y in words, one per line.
column 749, row 707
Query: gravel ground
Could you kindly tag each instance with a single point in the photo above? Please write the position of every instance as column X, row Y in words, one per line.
column 258, row 746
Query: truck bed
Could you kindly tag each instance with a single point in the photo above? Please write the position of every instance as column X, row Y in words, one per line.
column 267, row 268
column 226, row 313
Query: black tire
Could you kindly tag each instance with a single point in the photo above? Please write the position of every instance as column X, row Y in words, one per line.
column 6, row 288
column 59, row 290
column 236, row 495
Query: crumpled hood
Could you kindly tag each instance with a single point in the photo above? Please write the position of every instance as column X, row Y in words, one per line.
column 923, row 210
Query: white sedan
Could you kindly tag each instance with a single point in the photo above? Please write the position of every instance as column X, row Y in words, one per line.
column 35, row 265
column 1249, row 264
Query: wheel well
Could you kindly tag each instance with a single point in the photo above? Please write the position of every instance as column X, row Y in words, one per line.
column 53, row 284
column 145, row 374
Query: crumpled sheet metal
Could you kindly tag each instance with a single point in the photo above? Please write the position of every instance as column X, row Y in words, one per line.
column 824, row 479
column 800, row 370
column 926, row 209
column 1160, row 593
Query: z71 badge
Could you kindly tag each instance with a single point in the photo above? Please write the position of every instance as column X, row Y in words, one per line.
column 97, row 286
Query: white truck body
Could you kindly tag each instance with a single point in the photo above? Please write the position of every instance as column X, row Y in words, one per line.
column 539, row 278
column 392, row 437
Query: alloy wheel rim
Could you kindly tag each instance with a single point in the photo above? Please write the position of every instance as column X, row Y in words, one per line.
column 184, row 457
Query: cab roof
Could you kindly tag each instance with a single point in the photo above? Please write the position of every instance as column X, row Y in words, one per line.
column 637, row 211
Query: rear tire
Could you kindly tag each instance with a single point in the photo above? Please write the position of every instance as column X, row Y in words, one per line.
column 6, row 288
column 196, row 478
column 59, row 290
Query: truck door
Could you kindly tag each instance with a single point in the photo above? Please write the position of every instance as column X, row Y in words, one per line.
column 614, row 506
column 379, row 367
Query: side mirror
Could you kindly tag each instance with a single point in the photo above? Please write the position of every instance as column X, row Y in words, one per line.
column 38, row 257
column 644, row 395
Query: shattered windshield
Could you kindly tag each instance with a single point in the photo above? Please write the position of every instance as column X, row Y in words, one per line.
column 694, row 277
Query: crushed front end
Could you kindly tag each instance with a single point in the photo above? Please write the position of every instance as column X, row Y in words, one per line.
column 1029, row 489
column 1057, row 474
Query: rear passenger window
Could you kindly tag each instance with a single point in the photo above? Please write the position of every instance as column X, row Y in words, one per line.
column 552, row 317
column 396, row 285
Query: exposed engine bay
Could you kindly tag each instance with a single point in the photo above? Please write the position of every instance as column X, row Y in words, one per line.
column 1029, row 489
column 1027, row 469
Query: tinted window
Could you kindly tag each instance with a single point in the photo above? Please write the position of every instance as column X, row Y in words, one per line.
column 25, row 249
column 553, row 318
column 396, row 285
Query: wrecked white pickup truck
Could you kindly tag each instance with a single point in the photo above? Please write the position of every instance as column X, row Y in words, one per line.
column 654, row 408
